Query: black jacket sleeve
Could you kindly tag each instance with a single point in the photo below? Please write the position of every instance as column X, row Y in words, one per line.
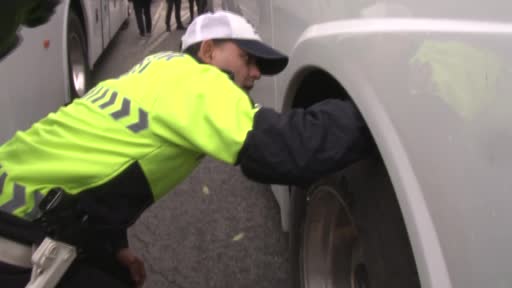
column 302, row 145
column 119, row 240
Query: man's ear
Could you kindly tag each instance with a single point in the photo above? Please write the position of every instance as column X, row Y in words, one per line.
column 206, row 51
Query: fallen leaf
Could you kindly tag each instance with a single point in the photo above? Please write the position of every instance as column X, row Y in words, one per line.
column 238, row 237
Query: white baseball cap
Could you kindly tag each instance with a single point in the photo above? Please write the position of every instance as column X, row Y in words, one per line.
column 227, row 25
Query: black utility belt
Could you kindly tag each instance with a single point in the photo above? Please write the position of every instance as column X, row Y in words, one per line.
column 20, row 230
column 60, row 219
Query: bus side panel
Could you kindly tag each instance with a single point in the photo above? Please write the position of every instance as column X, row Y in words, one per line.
column 33, row 78
column 118, row 14
column 113, row 14
column 92, row 11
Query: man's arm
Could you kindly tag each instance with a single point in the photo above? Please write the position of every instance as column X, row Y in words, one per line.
column 300, row 146
column 215, row 117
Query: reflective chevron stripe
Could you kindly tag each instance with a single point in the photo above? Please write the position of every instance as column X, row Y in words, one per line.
column 142, row 123
column 2, row 181
column 19, row 199
column 100, row 97
column 110, row 101
column 144, row 67
column 139, row 68
column 92, row 93
column 168, row 56
column 35, row 212
column 123, row 111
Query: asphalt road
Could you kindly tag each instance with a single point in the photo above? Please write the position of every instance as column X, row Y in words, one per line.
column 216, row 229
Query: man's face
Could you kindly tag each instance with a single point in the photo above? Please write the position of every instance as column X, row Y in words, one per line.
column 227, row 55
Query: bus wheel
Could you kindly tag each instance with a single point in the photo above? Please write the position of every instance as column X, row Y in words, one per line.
column 77, row 57
column 347, row 231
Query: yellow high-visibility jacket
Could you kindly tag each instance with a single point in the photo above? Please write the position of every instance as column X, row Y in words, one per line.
column 130, row 140
column 164, row 116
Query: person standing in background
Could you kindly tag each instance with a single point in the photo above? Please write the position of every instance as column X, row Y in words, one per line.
column 177, row 14
column 191, row 9
column 142, row 10
column 201, row 6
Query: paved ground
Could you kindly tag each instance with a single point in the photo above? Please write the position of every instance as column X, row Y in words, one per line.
column 217, row 229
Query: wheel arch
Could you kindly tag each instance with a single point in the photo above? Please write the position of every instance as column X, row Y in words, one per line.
column 342, row 79
column 65, row 61
column 77, row 7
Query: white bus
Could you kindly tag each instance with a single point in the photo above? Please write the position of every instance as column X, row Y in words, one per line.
column 52, row 64
column 432, row 80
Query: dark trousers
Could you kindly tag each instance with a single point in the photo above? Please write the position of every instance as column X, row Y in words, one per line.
column 93, row 272
column 77, row 276
column 191, row 8
column 95, row 267
column 142, row 10
column 177, row 13
column 201, row 6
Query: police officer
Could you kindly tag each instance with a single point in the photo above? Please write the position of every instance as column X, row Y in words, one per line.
column 130, row 140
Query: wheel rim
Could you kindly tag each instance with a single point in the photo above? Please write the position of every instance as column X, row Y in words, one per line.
column 77, row 65
column 331, row 255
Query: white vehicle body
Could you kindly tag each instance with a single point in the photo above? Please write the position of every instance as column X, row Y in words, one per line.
column 433, row 82
column 34, row 79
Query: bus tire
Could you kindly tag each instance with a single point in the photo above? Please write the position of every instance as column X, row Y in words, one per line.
column 347, row 231
column 78, row 64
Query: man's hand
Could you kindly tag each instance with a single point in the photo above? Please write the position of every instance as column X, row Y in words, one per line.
column 136, row 266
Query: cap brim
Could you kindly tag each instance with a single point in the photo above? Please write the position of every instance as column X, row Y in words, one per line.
column 269, row 60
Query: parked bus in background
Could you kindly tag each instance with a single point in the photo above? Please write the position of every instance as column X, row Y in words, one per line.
column 53, row 62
